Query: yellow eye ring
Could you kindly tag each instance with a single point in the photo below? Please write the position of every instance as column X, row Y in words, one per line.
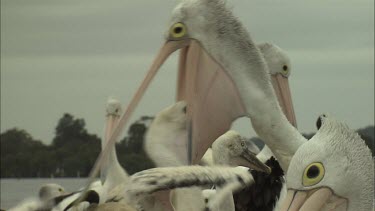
column 178, row 30
column 313, row 174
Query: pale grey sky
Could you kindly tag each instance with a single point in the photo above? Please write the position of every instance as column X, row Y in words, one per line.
column 69, row 56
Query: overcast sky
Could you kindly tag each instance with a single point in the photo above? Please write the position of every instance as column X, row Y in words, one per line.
column 69, row 56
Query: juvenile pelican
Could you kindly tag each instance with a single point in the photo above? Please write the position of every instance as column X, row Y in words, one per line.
column 49, row 191
column 46, row 193
column 228, row 150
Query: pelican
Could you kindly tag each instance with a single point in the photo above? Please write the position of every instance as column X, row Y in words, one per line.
column 228, row 150
column 166, row 138
column 112, row 173
column 268, row 189
column 46, row 193
column 51, row 190
column 263, row 193
column 334, row 170
column 222, row 76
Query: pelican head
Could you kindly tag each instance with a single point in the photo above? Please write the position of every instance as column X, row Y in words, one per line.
column 166, row 138
column 280, row 67
column 278, row 61
column 231, row 149
column 172, row 115
column 49, row 191
column 113, row 107
column 113, row 112
column 332, row 171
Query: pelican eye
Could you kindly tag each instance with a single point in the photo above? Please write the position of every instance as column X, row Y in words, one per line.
column 242, row 144
column 313, row 174
column 178, row 30
column 60, row 190
column 285, row 70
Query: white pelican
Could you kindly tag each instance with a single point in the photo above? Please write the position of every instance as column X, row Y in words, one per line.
column 166, row 138
column 225, row 151
column 112, row 173
column 266, row 189
column 222, row 76
column 334, row 170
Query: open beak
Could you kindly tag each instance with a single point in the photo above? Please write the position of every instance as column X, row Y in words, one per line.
column 213, row 101
column 249, row 159
column 212, row 98
column 284, row 96
column 313, row 200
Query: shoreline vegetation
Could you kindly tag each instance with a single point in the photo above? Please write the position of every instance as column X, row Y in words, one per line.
column 74, row 150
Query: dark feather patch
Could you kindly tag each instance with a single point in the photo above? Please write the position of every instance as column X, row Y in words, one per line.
column 263, row 193
column 91, row 196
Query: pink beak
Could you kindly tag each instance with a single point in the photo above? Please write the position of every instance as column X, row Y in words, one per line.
column 281, row 86
column 313, row 200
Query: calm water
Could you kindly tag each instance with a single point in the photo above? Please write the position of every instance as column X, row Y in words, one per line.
column 14, row 191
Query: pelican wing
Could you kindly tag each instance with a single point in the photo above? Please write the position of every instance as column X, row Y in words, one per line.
column 158, row 179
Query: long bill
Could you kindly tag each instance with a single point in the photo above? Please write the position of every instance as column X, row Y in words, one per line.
column 250, row 160
column 284, row 97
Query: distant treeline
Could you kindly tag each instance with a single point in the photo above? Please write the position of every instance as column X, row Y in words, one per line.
column 73, row 150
